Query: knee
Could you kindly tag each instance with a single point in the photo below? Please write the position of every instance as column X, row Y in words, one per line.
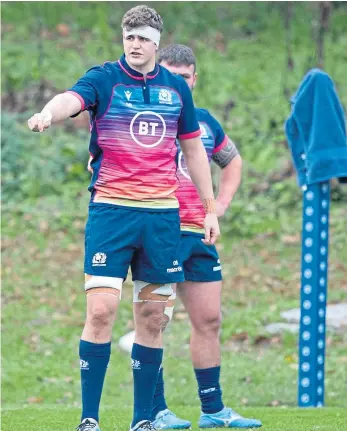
column 209, row 324
column 100, row 315
column 152, row 317
column 165, row 322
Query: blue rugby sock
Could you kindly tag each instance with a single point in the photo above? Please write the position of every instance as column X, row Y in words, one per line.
column 146, row 363
column 210, row 392
column 159, row 403
column 94, row 359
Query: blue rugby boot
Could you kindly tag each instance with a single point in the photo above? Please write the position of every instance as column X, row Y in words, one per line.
column 166, row 420
column 88, row 424
column 227, row 418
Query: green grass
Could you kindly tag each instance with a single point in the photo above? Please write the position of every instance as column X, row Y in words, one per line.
column 44, row 307
column 118, row 419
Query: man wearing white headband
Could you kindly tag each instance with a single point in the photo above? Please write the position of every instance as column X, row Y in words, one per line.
column 137, row 109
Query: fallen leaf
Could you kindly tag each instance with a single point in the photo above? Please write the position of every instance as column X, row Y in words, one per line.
column 274, row 403
column 240, row 337
column 63, row 29
column 261, row 339
column 34, row 400
column 291, row 358
column 245, row 272
column 68, row 379
column 291, row 239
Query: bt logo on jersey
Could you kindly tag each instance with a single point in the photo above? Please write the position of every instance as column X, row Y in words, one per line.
column 144, row 128
column 147, row 129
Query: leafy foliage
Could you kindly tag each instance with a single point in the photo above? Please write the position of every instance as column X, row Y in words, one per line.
column 37, row 165
column 243, row 79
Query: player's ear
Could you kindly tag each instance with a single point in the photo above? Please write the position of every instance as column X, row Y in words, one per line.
column 195, row 79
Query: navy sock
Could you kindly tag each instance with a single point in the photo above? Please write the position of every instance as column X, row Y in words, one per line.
column 145, row 363
column 94, row 359
column 159, row 402
column 210, row 392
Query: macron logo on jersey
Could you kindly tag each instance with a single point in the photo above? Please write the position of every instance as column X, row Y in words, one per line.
column 128, row 94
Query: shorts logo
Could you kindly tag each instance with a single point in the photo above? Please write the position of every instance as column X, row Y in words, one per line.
column 165, row 96
column 135, row 364
column 148, row 129
column 217, row 268
column 99, row 259
column 84, row 365
column 176, row 267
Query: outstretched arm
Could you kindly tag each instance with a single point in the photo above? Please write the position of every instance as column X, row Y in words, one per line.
column 59, row 108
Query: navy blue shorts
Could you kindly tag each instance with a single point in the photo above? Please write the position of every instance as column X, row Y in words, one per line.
column 200, row 261
column 118, row 237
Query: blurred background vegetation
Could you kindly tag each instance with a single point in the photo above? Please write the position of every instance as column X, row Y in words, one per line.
column 251, row 58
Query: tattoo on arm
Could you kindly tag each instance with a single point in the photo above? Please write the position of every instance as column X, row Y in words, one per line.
column 225, row 156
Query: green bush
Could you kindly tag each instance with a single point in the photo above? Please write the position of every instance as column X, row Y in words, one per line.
column 36, row 165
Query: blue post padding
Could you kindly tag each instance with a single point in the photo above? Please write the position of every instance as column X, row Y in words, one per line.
column 313, row 295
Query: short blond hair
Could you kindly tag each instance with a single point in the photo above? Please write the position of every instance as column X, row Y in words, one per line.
column 142, row 15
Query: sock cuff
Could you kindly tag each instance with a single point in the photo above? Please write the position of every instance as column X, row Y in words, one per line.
column 207, row 373
column 94, row 349
column 147, row 354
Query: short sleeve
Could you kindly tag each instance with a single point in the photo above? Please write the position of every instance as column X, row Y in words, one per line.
column 220, row 138
column 93, row 89
column 188, row 126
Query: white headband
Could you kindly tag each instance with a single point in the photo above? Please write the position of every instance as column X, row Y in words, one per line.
column 146, row 31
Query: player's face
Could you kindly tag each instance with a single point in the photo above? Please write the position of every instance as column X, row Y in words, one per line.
column 187, row 72
column 139, row 51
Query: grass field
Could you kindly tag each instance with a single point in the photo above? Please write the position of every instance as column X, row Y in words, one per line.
column 43, row 315
column 118, row 419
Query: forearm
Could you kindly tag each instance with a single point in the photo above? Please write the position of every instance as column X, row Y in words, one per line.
column 62, row 106
column 230, row 180
column 199, row 169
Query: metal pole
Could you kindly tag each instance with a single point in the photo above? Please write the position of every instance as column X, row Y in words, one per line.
column 313, row 295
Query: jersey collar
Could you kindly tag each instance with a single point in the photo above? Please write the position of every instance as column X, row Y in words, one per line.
column 134, row 73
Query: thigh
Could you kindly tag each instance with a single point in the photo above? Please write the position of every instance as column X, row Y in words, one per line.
column 111, row 237
column 202, row 301
column 157, row 260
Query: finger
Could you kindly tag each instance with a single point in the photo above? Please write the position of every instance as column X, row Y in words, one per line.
column 46, row 121
column 215, row 235
column 207, row 234
column 213, row 238
column 40, row 125
column 207, row 239
column 31, row 123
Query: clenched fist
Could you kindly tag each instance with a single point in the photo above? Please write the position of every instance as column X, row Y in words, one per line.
column 40, row 122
